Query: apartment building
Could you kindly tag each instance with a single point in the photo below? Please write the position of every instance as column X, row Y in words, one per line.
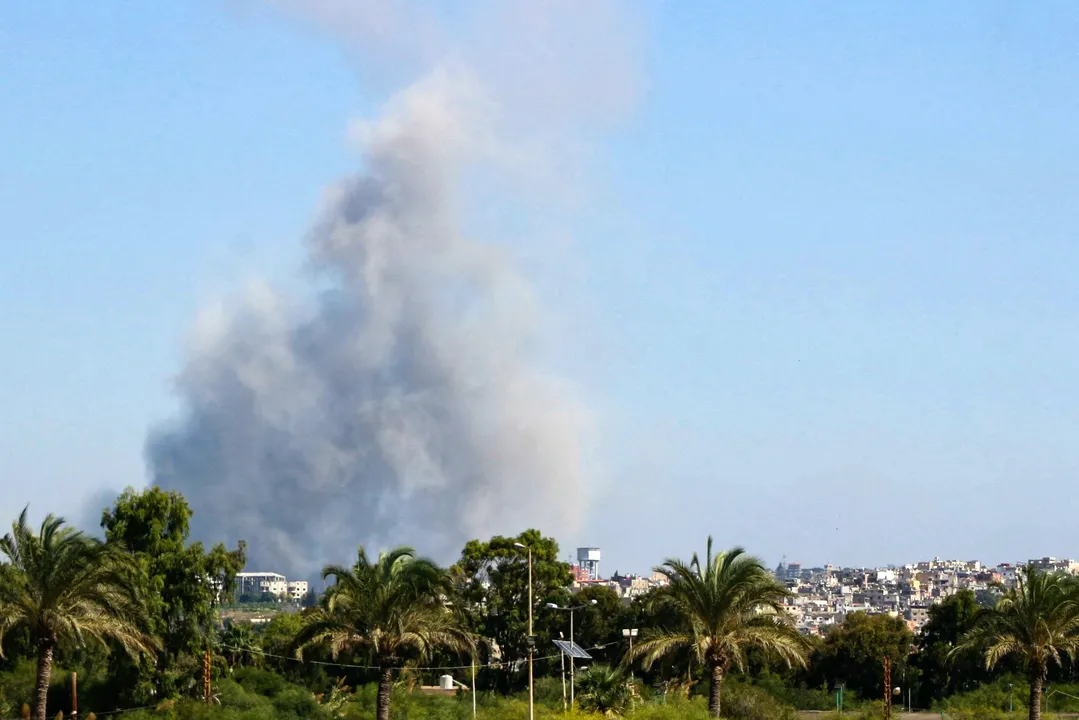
column 297, row 590
column 257, row 583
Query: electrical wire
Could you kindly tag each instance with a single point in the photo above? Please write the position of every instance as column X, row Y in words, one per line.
column 354, row 667
column 478, row 666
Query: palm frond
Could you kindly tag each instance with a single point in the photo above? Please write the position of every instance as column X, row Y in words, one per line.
column 64, row 586
column 1036, row 621
column 391, row 608
column 727, row 603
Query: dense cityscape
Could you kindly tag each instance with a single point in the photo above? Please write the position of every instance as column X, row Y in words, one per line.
column 821, row 597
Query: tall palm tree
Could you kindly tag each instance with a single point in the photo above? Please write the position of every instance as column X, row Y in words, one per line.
column 394, row 609
column 1038, row 621
column 725, row 605
column 65, row 586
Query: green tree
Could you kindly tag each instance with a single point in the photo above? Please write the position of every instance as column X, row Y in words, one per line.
column 182, row 583
column 277, row 639
column 854, row 653
column 605, row 690
column 598, row 624
column 656, row 609
column 239, row 645
column 491, row 583
column 1037, row 621
column 941, row 675
column 726, row 605
column 67, row 587
column 394, row 610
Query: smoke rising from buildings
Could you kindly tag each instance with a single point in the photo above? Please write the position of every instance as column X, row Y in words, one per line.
column 405, row 397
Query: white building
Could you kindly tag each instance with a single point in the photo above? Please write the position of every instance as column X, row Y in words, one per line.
column 886, row 576
column 297, row 590
column 257, row 583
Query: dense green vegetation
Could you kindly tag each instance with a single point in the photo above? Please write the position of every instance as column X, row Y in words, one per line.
column 724, row 607
column 136, row 616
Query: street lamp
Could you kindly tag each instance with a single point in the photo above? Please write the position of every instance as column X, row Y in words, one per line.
column 570, row 611
column 630, row 633
column 531, row 639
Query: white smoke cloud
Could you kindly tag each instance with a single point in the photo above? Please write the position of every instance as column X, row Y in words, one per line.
column 406, row 399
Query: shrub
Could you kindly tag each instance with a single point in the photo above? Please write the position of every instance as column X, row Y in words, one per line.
column 260, row 682
column 747, row 702
column 297, row 704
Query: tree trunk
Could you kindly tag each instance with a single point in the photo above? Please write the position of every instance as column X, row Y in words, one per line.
column 715, row 690
column 385, row 686
column 44, row 673
column 1037, row 680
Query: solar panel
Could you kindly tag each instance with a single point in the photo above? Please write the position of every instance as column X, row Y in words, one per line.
column 572, row 649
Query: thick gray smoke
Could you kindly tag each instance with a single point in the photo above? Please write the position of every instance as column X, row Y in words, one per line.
column 405, row 400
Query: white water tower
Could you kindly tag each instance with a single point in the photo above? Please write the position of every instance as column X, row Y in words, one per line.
column 588, row 559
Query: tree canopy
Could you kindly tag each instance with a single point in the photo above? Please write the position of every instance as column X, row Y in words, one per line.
column 65, row 587
column 1036, row 622
column 180, row 582
column 853, row 653
column 724, row 604
column 491, row 580
column 941, row 674
column 394, row 610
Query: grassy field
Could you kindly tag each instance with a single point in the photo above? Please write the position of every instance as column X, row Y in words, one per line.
column 1019, row 713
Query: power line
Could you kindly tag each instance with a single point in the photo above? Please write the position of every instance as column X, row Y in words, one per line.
column 499, row 663
column 127, row 710
column 354, row 667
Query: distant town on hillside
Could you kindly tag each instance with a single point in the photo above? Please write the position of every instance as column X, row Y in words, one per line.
column 821, row 597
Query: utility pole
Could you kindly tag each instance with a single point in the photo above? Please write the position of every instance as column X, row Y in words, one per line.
column 887, row 688
column 74, row 696
column 531, row 638
column 630, row 633
column 531, row 644
column 206, row 677
column 572, row 677
column 563, row 656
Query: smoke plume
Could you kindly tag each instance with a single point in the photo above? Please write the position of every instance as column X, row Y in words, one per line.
column 405, row 398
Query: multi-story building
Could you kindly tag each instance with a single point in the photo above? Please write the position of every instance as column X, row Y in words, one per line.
column 1052, row 564
column 917, row 616
column 297, row 590
column 258, row 583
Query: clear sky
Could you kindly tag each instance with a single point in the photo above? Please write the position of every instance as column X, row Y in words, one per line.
column 830, row 261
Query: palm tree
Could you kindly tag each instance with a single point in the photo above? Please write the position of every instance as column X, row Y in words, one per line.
column 65, row 586
column 605, row 690
column 239, row 645
column 1037, row 621
column 725, row 605
column 393, row 609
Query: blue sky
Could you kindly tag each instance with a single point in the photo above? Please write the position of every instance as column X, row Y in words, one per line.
column 829, row 260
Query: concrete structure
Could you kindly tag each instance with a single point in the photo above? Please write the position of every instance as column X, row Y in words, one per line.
column 257, row 583
column 1052, row 564
column 297, row 590
column 588, row 559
